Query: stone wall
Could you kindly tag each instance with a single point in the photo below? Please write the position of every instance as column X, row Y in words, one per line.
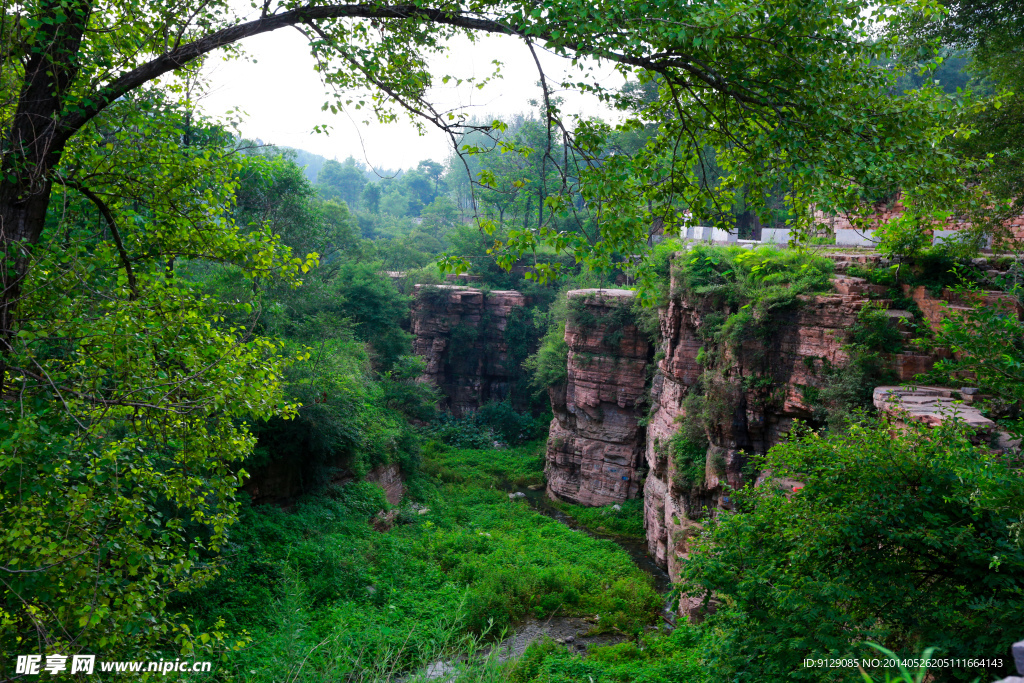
column 459, row 331
column 595, row 445
column 884, row 213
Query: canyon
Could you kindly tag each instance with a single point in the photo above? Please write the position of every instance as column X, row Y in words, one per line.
column 626, row 397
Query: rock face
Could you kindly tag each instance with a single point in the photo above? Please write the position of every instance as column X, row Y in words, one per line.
column 765, row 386
column 764, row 390
column 460, row 332
column 595, row 444
column 389, row 478
column 597, row 452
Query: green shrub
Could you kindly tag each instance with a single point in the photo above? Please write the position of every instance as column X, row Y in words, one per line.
column 689, row 455
column 491, row 422
column 486, row 467
column 549, row 367
column 675, row 657
column 875, row 330
column 902, row 536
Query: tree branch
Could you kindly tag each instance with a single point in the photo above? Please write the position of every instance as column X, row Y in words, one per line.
column 183, row 54
column 180, row 56
column 112, row 224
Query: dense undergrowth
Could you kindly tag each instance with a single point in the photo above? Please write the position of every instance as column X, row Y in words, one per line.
column 627, row 520
column 322, row 594
column 654, row 658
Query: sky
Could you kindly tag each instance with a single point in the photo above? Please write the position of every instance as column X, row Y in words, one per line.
column 280, row 97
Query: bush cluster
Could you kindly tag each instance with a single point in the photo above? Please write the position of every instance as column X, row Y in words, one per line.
column 494, row 422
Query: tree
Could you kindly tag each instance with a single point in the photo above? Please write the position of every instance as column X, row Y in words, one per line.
column 130, row 388
column 747, row 83
column 342, row 181
column 901, row 535
column 434, row 171
column 371, row 197
column 989, row 35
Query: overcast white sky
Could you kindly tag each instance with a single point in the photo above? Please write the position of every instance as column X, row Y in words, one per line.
column 281, row 98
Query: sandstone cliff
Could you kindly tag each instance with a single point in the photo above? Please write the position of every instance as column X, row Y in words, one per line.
column 763, row 391
column 460, row 333
column 596, row 443
column 767, row 383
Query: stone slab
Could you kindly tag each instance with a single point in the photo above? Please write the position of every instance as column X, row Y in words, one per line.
column 929, row 405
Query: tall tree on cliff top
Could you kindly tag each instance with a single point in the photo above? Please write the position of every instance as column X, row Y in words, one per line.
column 125, row 392
column 991, row 34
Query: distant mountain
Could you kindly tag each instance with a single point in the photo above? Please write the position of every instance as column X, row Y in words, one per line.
column 312, row 163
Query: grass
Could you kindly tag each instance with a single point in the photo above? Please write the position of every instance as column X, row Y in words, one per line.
column 627, row 521
column 490, row 468
column 655, row 658
column 325, row 597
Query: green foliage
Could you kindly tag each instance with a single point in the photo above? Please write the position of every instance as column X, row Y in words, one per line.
column 129, row 390
column 903, row 536
column 902, row 673
column 323, row 594
column 349, row 419
column 766, row 277
column 905, row 236
column 495, row 421
column 627, row 521
column 875, row 330
column 660, row 263
column 846, row 393
column 486, row 467
column 935, row 269
column 656, row 658
column 988, row 340
column 344, row 181
column 690, row 458
column 549, row 367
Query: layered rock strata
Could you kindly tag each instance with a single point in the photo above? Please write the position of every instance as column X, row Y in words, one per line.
column 460, row 333
column 762, row 396
column 595, row 445
column 764, row 385
column 930, row 406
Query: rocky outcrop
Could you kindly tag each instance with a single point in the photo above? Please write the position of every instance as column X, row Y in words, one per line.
column 930, row 406
column 595, row 444
column 763, row 391
column 389, row 478
column 460, row 333
column 766, row 383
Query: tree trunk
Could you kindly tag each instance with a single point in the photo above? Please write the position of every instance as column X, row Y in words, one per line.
column 32, row 148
